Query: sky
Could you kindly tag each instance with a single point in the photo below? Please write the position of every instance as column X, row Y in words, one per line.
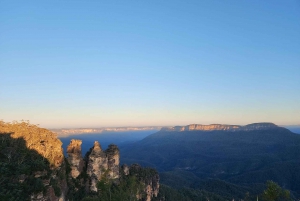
column 149, row 63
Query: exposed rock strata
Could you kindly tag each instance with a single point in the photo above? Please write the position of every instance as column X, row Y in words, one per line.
column 75, row 158
column 102, row 164
column 224, row 127
column 113, row 160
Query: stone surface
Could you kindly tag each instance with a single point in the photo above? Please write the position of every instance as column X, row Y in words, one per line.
column 97, row 165
column 42, row 140
column 75, row 157
column 125, row 169
column 113, row 158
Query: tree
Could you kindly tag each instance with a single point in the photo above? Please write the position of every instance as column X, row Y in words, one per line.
column 275, row 193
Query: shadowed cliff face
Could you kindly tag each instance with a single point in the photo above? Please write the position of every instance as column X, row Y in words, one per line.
column 25, row 174
column 223, row 127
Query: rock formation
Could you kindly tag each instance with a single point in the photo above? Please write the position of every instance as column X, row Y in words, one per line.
column 39, row 139
column 102, row 164
column 125, row 169
column 224, row 127
column 37, row 157
column 75, row 158
column 113, row 159
column 96, row 165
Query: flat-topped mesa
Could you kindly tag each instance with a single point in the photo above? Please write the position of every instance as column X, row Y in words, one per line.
column 200, row 127
column 75, row 157
column 223, row 127
column 102, row 164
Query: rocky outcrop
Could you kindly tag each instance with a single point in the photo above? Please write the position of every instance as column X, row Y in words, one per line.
column 102, row 164
column 113, row 160
column 39, row 139
column 223, row 127
column 125, row 169
column 39, row 152
column 96, row 165
column 75, row 157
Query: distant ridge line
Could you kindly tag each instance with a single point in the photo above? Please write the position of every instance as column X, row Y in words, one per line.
column 222, row 127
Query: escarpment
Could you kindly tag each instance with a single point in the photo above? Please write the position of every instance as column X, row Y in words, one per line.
column 222, row 127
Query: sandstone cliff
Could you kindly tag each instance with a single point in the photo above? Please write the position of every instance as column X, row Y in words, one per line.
column 31, row 163
column 113, row 160
column 41, row 140
column 96, row 165
column 75, row 158
column 102, row 164
column 224, row 127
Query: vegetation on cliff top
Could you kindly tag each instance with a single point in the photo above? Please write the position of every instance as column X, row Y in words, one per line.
column 29, row 156
column 39, row 139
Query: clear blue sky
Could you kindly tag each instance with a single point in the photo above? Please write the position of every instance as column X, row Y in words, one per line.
column 134, row 63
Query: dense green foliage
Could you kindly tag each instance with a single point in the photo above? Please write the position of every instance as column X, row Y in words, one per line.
column 275, row 193
column 18, row 166
column 243, row 160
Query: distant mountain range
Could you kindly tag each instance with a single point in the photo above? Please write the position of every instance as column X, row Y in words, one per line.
column 228, row 160
column 221, row 127
column 64, row 132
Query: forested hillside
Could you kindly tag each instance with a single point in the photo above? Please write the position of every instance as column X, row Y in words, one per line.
column 225, row 162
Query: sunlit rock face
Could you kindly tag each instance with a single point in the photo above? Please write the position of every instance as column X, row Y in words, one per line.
column 75, row 158
column 223, row 127
column 102, row 164
column 42, row 140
